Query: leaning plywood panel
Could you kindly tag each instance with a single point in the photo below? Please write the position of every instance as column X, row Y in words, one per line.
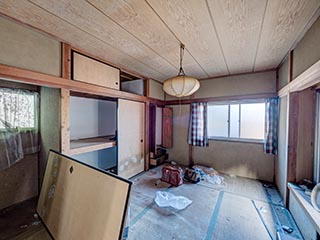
column 91, row 71
column 131, row 124
column 81, row 202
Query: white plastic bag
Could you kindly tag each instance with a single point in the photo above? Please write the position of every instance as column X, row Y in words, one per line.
column 215, row 179
column 166, row 199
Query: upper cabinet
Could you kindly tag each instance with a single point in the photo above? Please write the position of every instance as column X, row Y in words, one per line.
column 88, row 70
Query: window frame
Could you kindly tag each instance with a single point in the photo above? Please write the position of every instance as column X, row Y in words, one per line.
column 234, row 139
column 35, row 94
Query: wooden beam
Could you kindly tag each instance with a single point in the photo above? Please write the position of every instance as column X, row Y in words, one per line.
column 224, row 98
column 40, row 79
column 66, row 61
column 291, row 66
column 146, row 136
column 292, row 139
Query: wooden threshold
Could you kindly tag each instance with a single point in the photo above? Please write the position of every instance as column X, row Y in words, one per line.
column 312, row 214
column 90, row 144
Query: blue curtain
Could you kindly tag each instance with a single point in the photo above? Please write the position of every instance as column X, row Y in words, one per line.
column 272, row 118
column 197, row 134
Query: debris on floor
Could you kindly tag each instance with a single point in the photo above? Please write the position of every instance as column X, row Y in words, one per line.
column 172, row 175
column 166, row 199
column 175, row 174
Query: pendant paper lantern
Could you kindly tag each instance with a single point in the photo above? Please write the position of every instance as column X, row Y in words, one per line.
column 181, row 85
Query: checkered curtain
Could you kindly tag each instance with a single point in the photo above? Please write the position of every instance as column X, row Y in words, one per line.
column 197, row 135
column 272, row 115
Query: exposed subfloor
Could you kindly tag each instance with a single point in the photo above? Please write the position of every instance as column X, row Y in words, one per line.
column 239, row 208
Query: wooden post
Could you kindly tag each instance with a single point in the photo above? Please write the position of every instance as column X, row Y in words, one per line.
column 65, row 121
column 66, row 61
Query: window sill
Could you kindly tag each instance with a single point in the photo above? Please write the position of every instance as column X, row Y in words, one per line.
column 236, row 140
column 304, row 202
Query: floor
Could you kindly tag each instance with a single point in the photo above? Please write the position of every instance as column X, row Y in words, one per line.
column 239, row 208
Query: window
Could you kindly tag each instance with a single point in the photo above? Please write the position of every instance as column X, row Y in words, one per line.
column 237, row 120
column 17, row 109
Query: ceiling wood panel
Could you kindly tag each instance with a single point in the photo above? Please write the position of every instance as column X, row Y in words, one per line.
column 283, row 23
column 191, row 23
column 139, row 19
column 222, row 37
column 27, row 12
column 243, row 19
column 85, row 17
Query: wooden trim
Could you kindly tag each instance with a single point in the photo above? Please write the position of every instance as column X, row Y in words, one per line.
column 308, row 78
column 224, row 98
column 146, row 136
column 291, row 66
column 40, row 79
column 237, row 74
column 65, row 121
column 157, row 102
column 284, row 91
column 90, row 144
column 66, row 61
column 292, row 139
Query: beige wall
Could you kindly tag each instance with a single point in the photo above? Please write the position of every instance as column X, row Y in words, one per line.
column 308, row 51
column 49, row 125
column 25, row 48
column 238, row 85
column 238, row 158
column 155, row 90
column 283, row 74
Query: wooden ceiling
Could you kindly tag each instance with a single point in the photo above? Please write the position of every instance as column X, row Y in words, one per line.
column 222, row 37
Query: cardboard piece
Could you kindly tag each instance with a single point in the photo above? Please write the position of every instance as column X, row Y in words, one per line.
column 79, row 202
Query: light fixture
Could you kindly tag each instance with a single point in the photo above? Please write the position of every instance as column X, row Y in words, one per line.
column 181, row 85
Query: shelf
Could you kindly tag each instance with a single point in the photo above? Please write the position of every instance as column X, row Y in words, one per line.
column 90, row 144
column 305, row 203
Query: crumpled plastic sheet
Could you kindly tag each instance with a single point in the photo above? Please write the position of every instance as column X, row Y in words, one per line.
column 166, row 199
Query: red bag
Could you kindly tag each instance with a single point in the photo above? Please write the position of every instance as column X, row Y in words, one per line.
column 172, row 175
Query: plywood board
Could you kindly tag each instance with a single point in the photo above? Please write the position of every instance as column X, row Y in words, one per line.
column 80, row 202
column 91, row 71
column 131, row 127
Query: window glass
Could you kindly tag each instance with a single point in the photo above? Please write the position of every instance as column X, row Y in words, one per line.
column 243, row 120
column 252, row 120
column 234, row 120
column 218, row 120
column 17, row 109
